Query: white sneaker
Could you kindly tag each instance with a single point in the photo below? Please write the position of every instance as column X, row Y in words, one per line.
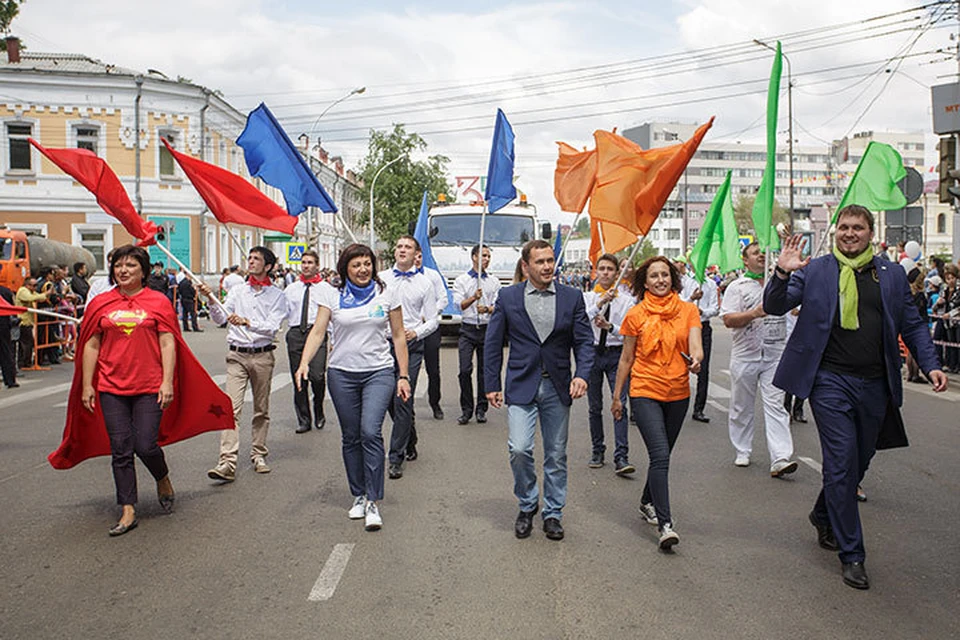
column 359, row 508
column 781, row 468
column 742, row 460
column 648, row 513
column 668, row 537
column 373, row 519
column 260, row 466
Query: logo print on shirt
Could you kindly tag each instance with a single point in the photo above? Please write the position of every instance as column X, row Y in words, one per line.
column 376, row 312
column 128, row 319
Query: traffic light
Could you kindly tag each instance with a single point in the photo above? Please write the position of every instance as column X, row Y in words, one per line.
column 162, row 235
column 948, row 169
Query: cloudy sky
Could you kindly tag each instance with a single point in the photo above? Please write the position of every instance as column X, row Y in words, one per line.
column 559, row 70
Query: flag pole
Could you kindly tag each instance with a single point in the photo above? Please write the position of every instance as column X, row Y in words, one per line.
column 623, row 271
column 563, row 248
column 236, row 241
column 59, row 316
column 603, row 245
column 483, row 221
column 193, row 276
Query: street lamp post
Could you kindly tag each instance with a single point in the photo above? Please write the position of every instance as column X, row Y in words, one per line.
column 789, row 120
column 372, row 184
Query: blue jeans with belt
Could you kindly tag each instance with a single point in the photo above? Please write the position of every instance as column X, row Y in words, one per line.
column 361, row 399
column 522, row 424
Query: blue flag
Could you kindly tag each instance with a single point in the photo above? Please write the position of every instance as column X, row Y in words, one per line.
column 422, row 234
column 271, row 156
column 500, row 190
column 557, row 248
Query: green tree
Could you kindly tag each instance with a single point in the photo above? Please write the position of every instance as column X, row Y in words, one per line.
column 582, row 230
column 647, row 250
column 743, row 213
column 8, row 11
column 399, row 189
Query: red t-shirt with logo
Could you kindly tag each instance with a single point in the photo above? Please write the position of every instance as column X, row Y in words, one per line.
column 129, row 362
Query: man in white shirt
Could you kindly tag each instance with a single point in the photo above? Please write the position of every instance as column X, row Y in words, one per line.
column 431, row 345
column 758, row 342
column 476, row 294
column 705, row 297
column 606, row 307
column 419, row 305
column 254, row 312
column 232, row 279
column 303, row 298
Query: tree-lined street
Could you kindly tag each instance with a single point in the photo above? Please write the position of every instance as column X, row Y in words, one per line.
column 242, row 560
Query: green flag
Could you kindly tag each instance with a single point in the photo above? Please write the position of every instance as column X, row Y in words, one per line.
column 718, row 242
column 874, row 183
column 763, row 205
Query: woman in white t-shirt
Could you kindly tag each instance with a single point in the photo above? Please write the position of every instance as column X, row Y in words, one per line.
column 360, row 372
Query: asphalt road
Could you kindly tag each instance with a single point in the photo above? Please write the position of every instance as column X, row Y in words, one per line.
column 242, row 560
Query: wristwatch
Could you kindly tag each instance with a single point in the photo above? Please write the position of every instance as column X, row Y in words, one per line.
column 781, row 270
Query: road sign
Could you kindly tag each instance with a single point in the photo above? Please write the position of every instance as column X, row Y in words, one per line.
column 294, row 251
column 744, row 242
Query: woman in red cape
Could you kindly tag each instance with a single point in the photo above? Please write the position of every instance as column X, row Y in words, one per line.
column 127, row 367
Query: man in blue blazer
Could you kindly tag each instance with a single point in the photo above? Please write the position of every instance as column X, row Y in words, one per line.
column 543, row 321
column 844, row 356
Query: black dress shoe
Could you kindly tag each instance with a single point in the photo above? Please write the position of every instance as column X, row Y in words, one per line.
column 321, row 423
column 395, row 471
column 303, row 428
column 699, row 417
column 481, row 417
column 13, row 386
column 524, row 524
column 120, row 529
column 437, row 413
column 463, row 419
column 825, row 537
column 553, row 529
column 855, row 575
column 799, row 417
column 412, row 452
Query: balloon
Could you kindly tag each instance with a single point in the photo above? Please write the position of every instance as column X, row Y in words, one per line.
column 912, row 249
column 908, row 265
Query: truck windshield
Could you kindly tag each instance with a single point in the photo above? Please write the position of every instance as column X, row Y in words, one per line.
column 464, row 230
column 6, row 248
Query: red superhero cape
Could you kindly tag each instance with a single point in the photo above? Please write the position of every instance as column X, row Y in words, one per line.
column 198, row 403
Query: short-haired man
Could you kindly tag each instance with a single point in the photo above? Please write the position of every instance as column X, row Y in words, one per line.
column 100, row 284
column 232, row 279
column 254, row 312
column 28, row 296
column 419, row 306
column 431, row 344
column 544, row 322
column 758, row 341
column 475, row 292
column 78, row 283
column 187, row 294
column 7, row 365
column 606, row 307
column 708, row 303
column 303, row 301
column 844, row 356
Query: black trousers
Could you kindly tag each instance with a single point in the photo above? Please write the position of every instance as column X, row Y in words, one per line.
column 317, row 377
column 703, row 378
column 7, row 366
column 470, row 341
column 26, row 346
column 431, row 362
column 188, row 308
column 133, row 423
column 404, row 432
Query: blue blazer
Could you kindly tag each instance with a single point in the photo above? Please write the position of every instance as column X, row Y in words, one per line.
column 817, row 288
column 528, row 357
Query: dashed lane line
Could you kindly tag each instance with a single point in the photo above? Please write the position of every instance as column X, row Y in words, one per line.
column 810, row 462
column 326, row 584
column 36, row 394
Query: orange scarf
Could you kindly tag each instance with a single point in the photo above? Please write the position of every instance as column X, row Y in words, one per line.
column 598, row 288
column 657, row 333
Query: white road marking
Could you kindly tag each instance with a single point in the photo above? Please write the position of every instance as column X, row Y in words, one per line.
column 326, row 584
column 36, row 394
column 278, row 382
column 716, row 391
column 716, row 405
column 810, row 462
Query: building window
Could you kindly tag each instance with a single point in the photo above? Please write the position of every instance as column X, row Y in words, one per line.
column 692, row 235
column 95, row 238
column 941, row 223
column 673, row 234
column 88, row 138
column 168, row 168
column 17, row 135
column 654, row 234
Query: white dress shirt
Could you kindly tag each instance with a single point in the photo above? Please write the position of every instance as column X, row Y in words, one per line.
column 709, row 303
column 294, row 295
column 231, row 280
column 417, row 299
column 465, row 286
column 266, row 310
column 618, row 310
column 100, row 284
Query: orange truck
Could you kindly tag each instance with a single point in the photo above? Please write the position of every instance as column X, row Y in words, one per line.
column 23, row 255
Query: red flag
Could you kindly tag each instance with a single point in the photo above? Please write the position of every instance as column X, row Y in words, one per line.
column 7, row 309
column 198, row 404
column 574, row 177
column 96, row 175
column 231, row 198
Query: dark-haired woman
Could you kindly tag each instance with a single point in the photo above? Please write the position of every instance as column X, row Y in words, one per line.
column 661, row 346
column 127, row 365
column 360, row 375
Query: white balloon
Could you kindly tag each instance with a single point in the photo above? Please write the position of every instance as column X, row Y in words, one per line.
column 912, row 249
column 908, row 265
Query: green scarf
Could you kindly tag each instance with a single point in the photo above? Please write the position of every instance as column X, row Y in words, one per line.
column 753, row 276
column 849, row 295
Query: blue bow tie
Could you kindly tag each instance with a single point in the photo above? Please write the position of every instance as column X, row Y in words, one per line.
column 473, row 274
column 404, row 274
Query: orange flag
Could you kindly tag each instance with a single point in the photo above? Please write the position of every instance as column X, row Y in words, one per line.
column 574, row 177
column 615, row 238
column 632, row 184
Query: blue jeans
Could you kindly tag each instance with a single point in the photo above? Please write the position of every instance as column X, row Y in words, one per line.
column 554, row 421
column 659, row 424
column 361, row 399
column 849, row 412
column 605, row 366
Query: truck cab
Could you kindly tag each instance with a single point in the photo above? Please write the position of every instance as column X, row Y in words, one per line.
column 455, row 229
column 14, row 258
